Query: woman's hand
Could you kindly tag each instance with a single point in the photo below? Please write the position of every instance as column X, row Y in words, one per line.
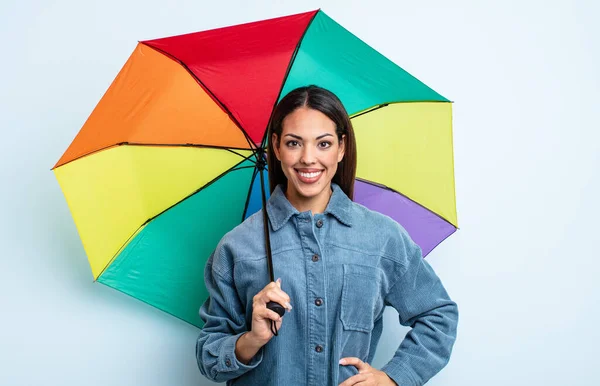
column 367, row 375
column 250, row 342
column 262, row 316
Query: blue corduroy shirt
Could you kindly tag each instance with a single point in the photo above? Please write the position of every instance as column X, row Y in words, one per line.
column 341, row 268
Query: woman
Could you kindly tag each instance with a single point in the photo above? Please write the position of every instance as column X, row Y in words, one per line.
column 339, row 265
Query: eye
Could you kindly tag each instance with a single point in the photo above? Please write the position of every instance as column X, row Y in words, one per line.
column 291, row 143
column 324, row 144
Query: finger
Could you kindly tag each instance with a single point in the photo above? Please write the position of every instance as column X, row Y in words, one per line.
column 274, row 287
column 279, row 292
column 368, row 382
column 272, row 293
column 360, row 365
column 355, row 379
column 265, row 313
column 271, row 286
column 278, row 296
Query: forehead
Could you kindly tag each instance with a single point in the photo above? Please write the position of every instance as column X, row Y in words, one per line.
column 307, row 121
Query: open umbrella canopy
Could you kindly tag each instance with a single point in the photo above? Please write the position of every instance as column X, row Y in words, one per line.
column 166, row 163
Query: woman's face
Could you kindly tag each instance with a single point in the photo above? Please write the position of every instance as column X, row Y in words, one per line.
column 309, row 151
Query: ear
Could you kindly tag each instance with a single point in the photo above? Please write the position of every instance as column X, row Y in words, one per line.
column 342, row 148
column 275, row 142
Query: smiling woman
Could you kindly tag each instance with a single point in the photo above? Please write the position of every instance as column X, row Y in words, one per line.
column 311, row 134
column 339, row 265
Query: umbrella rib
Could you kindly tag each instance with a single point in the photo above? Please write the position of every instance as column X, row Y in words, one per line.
column 385, row 104
column 230, row 149
column 242, row 167
column 287, row 73
column 405, row 196
column 369, row 110
column 243, row 156
column 233, row 168
column 212, row 95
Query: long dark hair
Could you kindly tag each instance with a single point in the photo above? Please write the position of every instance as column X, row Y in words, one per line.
column 328, row 103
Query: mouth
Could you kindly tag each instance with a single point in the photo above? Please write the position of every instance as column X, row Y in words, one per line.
column 309, row 176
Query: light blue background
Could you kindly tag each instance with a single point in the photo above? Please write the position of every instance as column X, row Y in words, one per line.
column 523, row 268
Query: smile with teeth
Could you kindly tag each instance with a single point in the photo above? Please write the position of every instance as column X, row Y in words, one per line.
column 310, row 174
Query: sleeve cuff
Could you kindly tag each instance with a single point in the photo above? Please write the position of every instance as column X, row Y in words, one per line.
column 228, row 362
column 401, row 374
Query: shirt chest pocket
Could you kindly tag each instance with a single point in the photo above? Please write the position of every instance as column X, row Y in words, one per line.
column 361, row 301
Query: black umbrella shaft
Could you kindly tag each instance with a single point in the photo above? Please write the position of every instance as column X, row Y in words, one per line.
column 266, row 226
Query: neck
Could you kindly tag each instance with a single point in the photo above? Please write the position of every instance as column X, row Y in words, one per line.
column 314, row 204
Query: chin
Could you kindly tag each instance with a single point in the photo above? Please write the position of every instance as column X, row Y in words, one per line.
column 310, row 191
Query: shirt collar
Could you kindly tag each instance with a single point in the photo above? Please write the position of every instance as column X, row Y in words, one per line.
column 280, row 210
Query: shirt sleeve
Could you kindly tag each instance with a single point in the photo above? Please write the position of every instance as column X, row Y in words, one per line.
column 423, row 304
column 224, row 322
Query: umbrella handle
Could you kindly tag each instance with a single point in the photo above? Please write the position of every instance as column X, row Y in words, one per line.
column 274, row 306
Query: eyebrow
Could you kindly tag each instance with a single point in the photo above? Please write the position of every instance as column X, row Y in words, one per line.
column 299, row 137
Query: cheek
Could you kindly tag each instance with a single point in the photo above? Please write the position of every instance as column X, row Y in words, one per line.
column 333, row 168
column 288, row 157
column 332, row 161
column 287, row 161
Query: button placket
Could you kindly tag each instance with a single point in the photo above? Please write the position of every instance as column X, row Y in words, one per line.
column 315, row 282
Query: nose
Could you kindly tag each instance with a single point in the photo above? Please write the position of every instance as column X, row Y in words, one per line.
column 308, row 155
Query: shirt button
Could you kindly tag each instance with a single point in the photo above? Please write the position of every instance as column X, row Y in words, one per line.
column 315, row 258
column 318, row 302
column 228, row 363
column 319, row 348
column 319, row 223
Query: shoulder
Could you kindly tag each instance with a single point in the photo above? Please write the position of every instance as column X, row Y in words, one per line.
column 247, row 230
column 365, row 217
column 246, row 239
column 390, row 237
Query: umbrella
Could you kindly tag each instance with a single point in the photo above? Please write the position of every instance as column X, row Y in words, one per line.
column 168, row 161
